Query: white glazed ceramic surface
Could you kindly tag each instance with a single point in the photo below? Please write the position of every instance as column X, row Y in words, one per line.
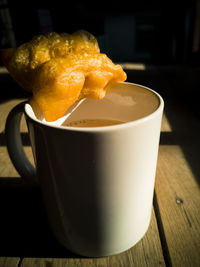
column 98, row 183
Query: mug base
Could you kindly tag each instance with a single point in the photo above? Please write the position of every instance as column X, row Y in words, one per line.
column 102, row 252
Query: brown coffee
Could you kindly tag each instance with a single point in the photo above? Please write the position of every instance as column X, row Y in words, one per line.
column 92, row 123
column 122, row 103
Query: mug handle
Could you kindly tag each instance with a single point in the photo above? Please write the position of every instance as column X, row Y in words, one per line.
column 15, row 147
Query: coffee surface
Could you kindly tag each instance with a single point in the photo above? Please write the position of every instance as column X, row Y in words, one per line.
column 123, row 102
column 92, row 123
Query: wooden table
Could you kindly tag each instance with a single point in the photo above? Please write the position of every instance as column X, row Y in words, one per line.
column 173, row 237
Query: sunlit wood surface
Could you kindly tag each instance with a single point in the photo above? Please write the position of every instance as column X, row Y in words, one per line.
column 173, row 237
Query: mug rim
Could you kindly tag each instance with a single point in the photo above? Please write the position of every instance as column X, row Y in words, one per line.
column 108, row 127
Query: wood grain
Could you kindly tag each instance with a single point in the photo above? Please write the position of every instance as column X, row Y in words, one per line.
column 7, row 169
column 177, row 186
column 5, row 108
column 178, row 198
column 166, row 127
column 9, row 261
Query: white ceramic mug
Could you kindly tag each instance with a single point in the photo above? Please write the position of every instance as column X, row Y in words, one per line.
column 98, row 182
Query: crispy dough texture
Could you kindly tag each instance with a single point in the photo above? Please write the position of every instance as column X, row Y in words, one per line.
column 60, row 69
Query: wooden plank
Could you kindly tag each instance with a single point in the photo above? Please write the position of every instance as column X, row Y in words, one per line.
column 196, row 32
column 165, row 124
column 7, row 169
column 178, row 200
column 147, row 252
column 5, row 108
column 9, row 261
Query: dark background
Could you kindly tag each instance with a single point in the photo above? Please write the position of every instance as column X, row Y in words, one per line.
column 158, row 32
column 162, row 35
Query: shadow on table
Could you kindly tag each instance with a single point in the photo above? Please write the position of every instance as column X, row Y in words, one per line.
column 10, row 89
column 24, row 229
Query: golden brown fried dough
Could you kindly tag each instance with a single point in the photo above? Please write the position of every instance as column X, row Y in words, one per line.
column 60, row 69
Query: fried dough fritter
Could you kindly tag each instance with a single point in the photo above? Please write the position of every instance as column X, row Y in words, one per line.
column 60, row 69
